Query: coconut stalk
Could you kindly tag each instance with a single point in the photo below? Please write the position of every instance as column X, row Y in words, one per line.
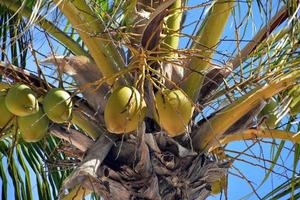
column 90, row 29
column 49, row 27
column 209, row 133
column 206, row 41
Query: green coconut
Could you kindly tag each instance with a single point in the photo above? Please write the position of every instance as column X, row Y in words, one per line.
column 21, row 100
column 174, row 111
column 295, row 103
column 58, row 105
column 269, row 112
column 6, row 116
column 124, row 109
column 33, row 127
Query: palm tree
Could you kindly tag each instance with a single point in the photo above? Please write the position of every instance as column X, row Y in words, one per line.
column 239, row 89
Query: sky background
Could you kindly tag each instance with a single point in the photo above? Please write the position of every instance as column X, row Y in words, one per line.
column 249, row 166
column 255, row 172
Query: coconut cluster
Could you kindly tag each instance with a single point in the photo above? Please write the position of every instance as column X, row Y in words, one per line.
column 32, row 118
column 126, row 108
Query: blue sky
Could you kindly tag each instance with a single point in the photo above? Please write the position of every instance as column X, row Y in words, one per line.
column 255, row 172
column 238, row 187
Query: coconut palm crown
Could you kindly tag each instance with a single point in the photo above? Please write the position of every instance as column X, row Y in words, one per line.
column 142, row 99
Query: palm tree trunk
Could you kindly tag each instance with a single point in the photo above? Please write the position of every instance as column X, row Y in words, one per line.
column 147, row 167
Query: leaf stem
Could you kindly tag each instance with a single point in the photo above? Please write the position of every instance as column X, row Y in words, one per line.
column 67, row 41
column 209, row 133
column 90, row 27
column 173, row 26
column 206, row 41
column 260, row 133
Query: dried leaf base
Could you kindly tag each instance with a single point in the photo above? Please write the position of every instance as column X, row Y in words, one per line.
column 149, row 166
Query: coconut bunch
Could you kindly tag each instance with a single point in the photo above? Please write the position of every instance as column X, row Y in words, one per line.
column 32, row 117
column 126, row 108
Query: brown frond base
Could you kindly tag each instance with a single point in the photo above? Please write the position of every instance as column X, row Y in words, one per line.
column 154, row 167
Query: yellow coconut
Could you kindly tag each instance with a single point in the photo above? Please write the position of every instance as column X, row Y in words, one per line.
column 58, row 105
column 5, row 116
column 174, row 111
column 33, row 127
column 219, row 185
column 216, row 187
column 21, row 100
column 124, row 109
column 269, row 112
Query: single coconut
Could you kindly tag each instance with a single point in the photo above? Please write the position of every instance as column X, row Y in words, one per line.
column 125, row 108
column 269, row 112
column 219, row 185
column 58, row 105
column 216, row 187
column 21, row 100
column 33, row 127
column 295, row 103
column 6, row 116
column 174, row 111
